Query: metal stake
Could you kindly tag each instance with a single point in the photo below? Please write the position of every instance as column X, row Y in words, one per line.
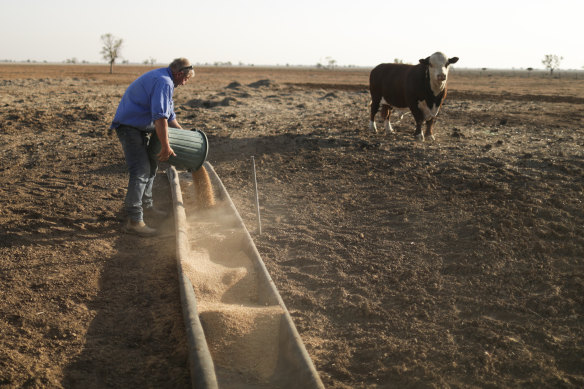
column 255, row 181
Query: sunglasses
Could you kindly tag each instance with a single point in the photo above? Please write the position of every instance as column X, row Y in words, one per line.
column 186, row 68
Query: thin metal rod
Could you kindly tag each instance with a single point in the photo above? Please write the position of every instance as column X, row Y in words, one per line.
column 255, row 182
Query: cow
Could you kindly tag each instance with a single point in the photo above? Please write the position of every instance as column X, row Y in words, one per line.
column 420, row 87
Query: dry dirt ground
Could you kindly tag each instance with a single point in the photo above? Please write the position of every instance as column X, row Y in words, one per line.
column 454, row 263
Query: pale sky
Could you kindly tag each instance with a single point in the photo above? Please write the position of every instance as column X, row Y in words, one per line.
column 488, row 33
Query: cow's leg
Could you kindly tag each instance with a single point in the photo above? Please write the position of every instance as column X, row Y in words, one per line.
column 385, row 114
column 430, row 129
column 419, row 118
column 375, row 101
column 418, row 133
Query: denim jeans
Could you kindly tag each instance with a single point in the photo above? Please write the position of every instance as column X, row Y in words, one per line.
column 142, row 168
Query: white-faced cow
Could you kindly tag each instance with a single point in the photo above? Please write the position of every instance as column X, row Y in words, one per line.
column 421, row 88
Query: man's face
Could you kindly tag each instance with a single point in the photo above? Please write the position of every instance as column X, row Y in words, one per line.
column 182, row 76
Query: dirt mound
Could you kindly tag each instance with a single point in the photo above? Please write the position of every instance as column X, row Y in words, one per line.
column 262, row 84
column 233, row 85
column 198, row 103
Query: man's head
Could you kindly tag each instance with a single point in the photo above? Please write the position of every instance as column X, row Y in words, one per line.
column 182, row 71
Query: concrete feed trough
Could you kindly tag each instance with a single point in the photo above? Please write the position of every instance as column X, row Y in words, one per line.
column 240, row 332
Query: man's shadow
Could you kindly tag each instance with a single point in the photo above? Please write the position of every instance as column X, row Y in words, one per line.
column 137, row 337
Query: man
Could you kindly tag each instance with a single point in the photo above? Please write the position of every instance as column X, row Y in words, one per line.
column 147, row 106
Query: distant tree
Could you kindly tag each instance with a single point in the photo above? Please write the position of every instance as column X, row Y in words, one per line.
column 551, row 62
column 111, row 49
column 398, row 60
column 529, row 70
column 331, row 63
column 150, row 61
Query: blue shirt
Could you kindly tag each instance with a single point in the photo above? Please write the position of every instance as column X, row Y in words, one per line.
column 147, row 99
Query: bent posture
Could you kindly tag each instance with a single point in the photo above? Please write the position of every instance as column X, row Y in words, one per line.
column 421, row 88
column 147, row 106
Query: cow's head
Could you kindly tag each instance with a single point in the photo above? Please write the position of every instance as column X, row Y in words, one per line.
column 437, row 65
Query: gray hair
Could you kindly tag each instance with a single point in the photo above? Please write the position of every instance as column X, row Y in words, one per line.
column 181, row 65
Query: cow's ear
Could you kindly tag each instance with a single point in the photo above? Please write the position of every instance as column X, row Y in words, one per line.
column 453, row 60
column 425, row 61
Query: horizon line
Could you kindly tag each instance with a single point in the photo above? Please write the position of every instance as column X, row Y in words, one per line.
column 242, row 65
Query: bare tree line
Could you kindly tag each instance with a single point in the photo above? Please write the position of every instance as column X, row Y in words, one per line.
column 111, row 51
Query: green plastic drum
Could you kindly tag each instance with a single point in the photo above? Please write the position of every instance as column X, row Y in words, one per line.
column 190, row 146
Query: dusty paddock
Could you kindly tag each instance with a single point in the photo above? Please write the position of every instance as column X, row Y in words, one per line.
column 454, row 263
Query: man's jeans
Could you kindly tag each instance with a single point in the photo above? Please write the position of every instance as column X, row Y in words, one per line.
column 142, row 168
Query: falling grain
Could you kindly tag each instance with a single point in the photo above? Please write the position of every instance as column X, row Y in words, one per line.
column 203, row 188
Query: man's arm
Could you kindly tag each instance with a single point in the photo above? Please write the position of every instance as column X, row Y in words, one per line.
column 174, row 124
column 161, row 126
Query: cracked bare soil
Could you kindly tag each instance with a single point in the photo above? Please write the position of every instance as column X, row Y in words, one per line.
column 454, row 263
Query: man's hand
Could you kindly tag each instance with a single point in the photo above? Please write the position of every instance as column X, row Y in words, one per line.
column 162, row 133
column 165, row 154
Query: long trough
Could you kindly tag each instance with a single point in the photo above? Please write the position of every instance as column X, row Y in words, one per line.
column 240, row 333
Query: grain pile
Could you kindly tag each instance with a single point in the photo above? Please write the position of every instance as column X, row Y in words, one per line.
column 242, row 334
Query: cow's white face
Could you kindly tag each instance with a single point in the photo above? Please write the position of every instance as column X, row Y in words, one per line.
column 437, row 65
